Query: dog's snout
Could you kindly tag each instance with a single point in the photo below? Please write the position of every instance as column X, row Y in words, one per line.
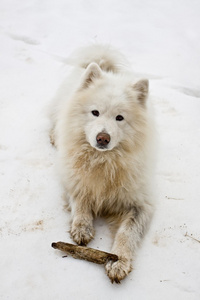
column 103, row 139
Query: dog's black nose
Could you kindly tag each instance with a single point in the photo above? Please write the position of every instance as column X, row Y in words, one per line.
column 103, row 139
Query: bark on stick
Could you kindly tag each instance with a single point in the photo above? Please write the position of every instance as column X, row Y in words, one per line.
column 81, row 252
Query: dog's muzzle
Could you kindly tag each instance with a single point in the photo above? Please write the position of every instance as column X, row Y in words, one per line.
column 103, row 139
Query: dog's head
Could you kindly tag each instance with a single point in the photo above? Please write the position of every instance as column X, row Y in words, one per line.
column 113, row 108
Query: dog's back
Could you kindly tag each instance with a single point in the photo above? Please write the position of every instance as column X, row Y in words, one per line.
column 107, row 57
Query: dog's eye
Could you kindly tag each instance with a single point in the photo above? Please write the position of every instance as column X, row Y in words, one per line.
column 119, row 118
column 95, row 113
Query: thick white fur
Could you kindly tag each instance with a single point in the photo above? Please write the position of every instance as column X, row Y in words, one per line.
column 113, row 182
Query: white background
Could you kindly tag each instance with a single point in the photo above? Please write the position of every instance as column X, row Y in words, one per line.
column 162, row 41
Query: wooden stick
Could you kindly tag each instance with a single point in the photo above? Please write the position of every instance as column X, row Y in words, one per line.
column 192, row 237
column 81, row 252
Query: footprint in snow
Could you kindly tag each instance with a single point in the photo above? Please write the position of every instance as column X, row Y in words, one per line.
column 24, row 39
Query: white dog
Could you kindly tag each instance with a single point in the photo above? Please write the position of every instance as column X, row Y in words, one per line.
column 103, row 131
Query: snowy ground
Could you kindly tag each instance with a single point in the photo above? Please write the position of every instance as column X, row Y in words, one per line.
column 162, row 40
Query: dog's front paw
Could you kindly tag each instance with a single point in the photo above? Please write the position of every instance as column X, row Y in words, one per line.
column 118, row 270
column 82, row 233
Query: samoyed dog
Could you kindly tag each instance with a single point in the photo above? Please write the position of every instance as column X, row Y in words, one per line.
column 103, row 130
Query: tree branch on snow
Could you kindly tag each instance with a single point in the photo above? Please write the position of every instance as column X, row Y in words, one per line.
column 85, row 253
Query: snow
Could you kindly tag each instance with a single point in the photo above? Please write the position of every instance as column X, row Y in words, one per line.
column 162, row 40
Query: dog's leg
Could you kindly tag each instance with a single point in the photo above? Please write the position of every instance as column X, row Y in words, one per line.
column 128, row 236
column 82, row 230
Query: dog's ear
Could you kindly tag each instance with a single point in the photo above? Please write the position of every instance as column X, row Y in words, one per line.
column 92, row 72
column 142, row 89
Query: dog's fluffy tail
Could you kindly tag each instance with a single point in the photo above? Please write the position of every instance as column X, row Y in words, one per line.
column 107, row 57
